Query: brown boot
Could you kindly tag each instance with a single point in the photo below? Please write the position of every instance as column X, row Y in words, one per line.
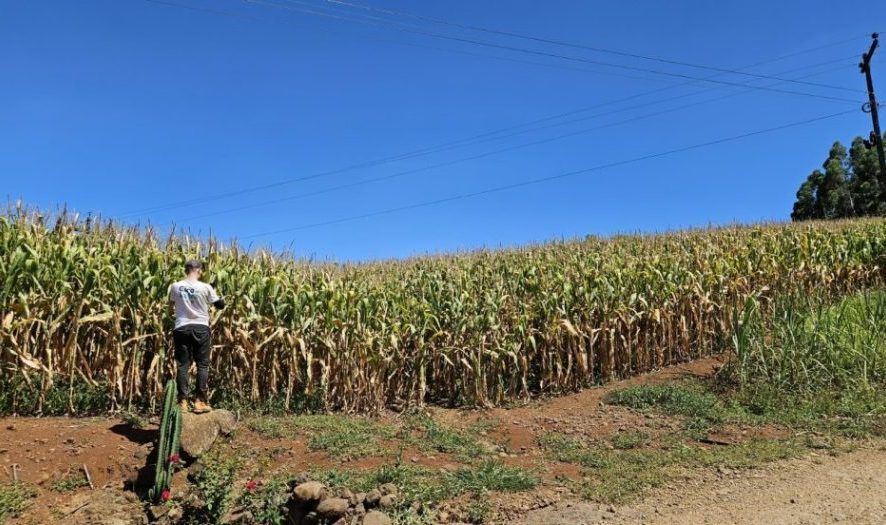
column 183, row 404
column 200, row 407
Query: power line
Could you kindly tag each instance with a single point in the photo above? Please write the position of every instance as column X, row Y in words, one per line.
column 570, row 44
column 540, row 180
column 233, row 14
column 465, row 159
column 427, row 150
column 409, row 29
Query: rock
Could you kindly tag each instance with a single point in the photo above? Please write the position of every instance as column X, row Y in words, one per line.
column 194, row 471
column 199, row 431
column 302, row 477
column 374, row 517
column 142, row 452
column 387, row 501
column 104, row 507
column 238, row 517
column 332, row 508
column 309, row 493
column 349, row 495
column 388, row 488
column 372, row 498
column 175, row 514
column 341, row 521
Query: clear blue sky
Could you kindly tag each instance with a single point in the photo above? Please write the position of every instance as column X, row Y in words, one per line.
column 115, row 106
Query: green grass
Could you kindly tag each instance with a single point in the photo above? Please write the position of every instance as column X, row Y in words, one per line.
column 70, row 481
column 14, row 498
column 623, row 474
column 629, row 439
column 492, row 475
column 439, row 438
column 683, row 398
column 813, row 345
column 342, row 437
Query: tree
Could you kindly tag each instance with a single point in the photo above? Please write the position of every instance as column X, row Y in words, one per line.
column 848, row 187
column 804, row 207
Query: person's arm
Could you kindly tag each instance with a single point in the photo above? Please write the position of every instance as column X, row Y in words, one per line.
column 169, row 294
column 215, row 299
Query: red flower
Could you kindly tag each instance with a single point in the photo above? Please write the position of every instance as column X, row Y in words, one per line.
column 174, row 458
column 165, row 495
column 251, row 485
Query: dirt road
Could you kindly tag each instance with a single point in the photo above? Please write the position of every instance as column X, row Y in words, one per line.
column 847, row 489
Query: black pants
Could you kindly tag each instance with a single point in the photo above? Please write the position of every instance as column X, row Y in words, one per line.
column 192, row 343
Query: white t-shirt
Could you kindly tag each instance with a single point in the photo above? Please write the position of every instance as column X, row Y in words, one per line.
column 192, row 300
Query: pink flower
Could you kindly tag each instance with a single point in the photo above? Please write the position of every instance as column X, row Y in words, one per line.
column 174, row 458
column 251, row 485
column 165, row 495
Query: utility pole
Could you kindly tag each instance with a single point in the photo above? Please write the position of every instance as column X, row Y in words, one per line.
column 871, row 107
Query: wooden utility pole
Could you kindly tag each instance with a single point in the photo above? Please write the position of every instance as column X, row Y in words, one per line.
column 871, row 107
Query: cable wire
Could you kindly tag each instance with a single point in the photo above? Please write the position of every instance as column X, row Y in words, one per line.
column 415, row 153
column 399, row 174
column 409, row 29
column 563, row 43
column 540, row 180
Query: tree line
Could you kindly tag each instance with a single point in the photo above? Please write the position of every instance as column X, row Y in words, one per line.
column 846, row 186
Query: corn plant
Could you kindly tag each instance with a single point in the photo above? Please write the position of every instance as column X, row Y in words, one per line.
column 83, row 302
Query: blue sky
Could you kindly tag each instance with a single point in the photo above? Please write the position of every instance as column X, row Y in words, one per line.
column 122, row 106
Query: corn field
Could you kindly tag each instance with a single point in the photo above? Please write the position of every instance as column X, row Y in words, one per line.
column 83, row 308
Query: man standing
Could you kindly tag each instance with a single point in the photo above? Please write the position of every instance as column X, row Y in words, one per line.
column 192, row 298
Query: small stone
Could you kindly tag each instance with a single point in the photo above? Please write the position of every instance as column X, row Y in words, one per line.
column 387, row 501
column 194, row 471
column 389, row 488
column 372, row 498
column 332, row 508
column 174, row 514
column 309, row 492
column 375, row 517
column 302, row 477
column 155, row 512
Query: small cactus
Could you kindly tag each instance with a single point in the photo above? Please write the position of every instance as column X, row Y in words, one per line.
column 168, row 443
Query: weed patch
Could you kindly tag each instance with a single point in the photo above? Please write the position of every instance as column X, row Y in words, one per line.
column 14, row 498
column 72, row 480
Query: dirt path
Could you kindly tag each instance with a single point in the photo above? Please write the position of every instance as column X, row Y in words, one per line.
column 849, row 488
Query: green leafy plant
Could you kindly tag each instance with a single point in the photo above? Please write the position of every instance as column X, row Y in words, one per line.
column 14, row 498
column 266, row 501
column 214, row 487
column 70, row 481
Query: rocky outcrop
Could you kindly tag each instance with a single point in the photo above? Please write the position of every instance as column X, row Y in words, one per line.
column 199, row 431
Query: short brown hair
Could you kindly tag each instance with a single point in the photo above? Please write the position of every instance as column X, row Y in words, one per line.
column 193, row 265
